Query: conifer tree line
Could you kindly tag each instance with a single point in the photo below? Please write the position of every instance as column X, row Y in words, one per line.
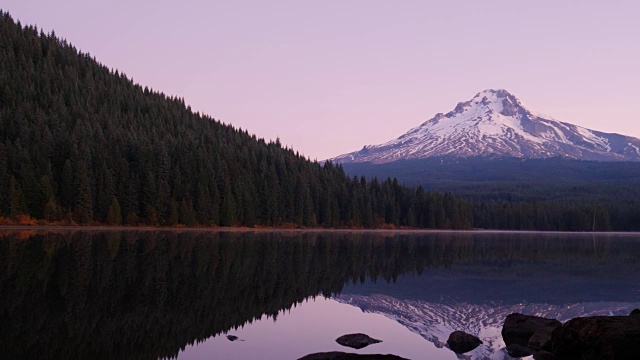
column 553, row 194
column 80, row 142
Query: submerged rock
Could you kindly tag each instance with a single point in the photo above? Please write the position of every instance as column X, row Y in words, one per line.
column 460, row 342
column 519, row 328
column 598, row 337
column 336, row 355
column 356, row 341
column 516, row 350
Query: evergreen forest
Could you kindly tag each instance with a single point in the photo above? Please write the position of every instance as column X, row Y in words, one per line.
column 528, row 194
column 83, row 144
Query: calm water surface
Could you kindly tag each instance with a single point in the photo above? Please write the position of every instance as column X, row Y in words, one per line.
column 166, row 294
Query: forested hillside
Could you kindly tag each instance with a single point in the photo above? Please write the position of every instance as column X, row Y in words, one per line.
column 84, row 144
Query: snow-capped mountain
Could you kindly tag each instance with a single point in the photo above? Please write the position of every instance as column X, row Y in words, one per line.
column 496, row 123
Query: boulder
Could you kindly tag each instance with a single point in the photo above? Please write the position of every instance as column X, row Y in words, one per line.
column 516, row 350
column 635, row 312
column 598, row 337
column 544, row 355
column 541, row 339
column 336, row 355
column 519, row 328
column 232, row 337
column 356, row 341
column 460, row 342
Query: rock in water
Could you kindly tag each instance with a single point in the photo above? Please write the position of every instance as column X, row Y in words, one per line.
column 356, row 341
column 336, row 355
column 516, row 351
column 460, row 342
column 598, row 337
column 232, row 337
column 635, row 312
column 541, row 339
column 519, row 328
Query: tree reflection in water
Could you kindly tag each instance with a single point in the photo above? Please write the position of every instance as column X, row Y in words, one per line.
column 146, row 295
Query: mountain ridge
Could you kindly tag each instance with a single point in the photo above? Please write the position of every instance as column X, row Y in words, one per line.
column 496, row 123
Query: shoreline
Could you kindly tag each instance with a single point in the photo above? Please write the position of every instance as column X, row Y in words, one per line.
column 52, row 228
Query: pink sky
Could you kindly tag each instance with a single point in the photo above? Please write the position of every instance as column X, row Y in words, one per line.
column 312, row 327
column 328, row 77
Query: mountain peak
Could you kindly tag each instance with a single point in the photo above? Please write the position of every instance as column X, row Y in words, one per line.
column 496, row 123
column 497, row 93
column 493, row 101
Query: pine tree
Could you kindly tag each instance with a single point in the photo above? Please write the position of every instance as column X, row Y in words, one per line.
column 17, row 201
column 66, row 192
column 114, row 214
column 174, row 213
column 4, row 179
column 83, row 209
column 187, row 214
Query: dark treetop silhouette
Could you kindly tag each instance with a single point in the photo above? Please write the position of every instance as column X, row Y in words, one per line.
column 83, row 143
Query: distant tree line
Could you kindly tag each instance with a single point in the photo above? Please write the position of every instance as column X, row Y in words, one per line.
column 553, row 216
column 84, row 144
column 528, row 194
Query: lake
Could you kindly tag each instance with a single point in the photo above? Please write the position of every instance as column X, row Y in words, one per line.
column 178, row 294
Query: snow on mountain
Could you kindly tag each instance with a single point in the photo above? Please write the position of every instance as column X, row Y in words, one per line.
column 435, row 321
column 496, row 123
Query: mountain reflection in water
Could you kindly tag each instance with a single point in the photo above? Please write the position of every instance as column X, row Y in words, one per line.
column 147, row 295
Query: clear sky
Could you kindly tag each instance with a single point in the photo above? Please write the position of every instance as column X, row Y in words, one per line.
column 328, row 77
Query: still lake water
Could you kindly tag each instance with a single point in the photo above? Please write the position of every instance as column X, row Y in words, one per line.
column 168, row 294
